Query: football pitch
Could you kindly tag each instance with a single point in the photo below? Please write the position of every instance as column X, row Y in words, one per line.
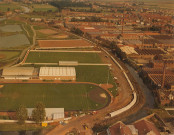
column 71, row 96
column 55, row 57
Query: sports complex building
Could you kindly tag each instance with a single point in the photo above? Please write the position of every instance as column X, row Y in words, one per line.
column 43, row 73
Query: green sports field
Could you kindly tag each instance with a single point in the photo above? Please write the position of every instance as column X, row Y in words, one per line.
column 95, row 74
column 55, row 57
column 68, row 96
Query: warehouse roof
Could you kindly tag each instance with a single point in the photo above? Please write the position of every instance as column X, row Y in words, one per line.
column 128, row 50
column 18, row 71
column 57, row 71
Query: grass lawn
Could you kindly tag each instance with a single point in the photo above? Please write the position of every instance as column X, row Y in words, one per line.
column 68, row 96
column 38, row 27
column 17, row 127
column 40, row 35
column 43, row 7
column 30, row 34
column 7, row 55
column 96, row 74
column 55, row 57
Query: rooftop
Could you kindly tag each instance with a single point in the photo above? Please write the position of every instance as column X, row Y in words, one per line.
column 18, row 71
column 57, row 71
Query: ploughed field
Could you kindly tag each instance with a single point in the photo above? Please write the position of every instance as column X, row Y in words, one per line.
column 69, row 96
column 63, row 43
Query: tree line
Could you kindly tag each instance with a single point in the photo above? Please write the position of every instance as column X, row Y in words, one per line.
column 64, row 4
column 38, row 113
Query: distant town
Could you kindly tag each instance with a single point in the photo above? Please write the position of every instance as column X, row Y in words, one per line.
column 83, row 67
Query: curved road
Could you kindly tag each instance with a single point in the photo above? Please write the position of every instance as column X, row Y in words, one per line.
column 124, row 98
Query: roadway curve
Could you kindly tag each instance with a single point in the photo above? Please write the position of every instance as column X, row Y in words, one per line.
column 123, row 99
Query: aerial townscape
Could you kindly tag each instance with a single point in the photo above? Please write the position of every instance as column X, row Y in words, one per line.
column 86, row 67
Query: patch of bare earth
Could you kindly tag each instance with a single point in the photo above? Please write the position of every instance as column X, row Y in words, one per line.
column 106, row 86
column 2, row 56
column 97, row 96
column 59, row 36
column 63, row 43
column 47, row 31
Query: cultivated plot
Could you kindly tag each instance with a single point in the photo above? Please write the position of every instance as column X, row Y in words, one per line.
column 4, row 7
column 7, row 55
column 68, row 96
column 43, row 7
column 13, row 41
column 11, row 28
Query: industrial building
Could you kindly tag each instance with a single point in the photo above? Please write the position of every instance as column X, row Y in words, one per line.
column 44, row 73
column 18, row 72
column 51, row 113
column 57, row 73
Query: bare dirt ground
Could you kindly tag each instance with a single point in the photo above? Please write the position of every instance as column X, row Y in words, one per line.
column 63, row 43
column 47, row 31
column 2, row 56
column 59, row 36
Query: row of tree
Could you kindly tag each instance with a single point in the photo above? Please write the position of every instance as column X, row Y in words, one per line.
column 89, row 19
column 38, row 113
column 67, row 3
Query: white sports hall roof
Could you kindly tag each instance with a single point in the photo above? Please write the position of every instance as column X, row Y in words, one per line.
column 57, row 71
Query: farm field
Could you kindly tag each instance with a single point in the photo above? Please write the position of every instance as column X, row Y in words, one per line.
column 49, row 34
column 10, row 28
column 13, row 41
column 168, row 4
column 16, row 32
column 63, row 43
column 68, row 96
column 43, row 7
column 55, row 57
column 11, row 6
column 47, row 31
column 7, row 55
